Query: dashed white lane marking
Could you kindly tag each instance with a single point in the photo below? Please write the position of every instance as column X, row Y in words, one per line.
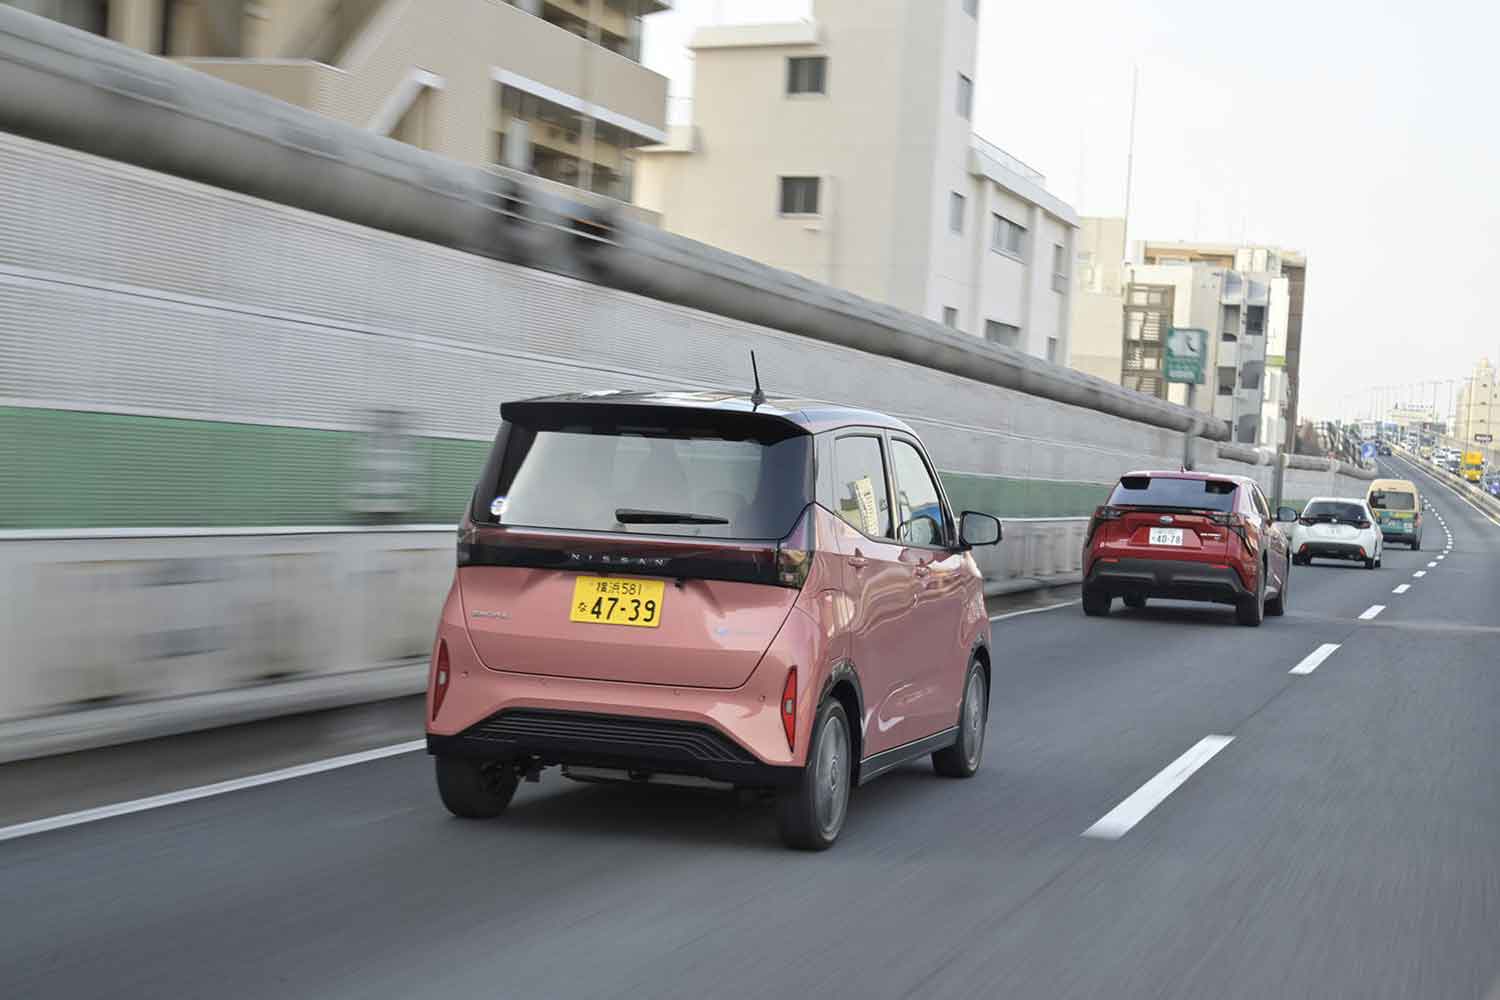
column 1033, row 611
column 1420, row 573
column 206, row 791
column 1432, row 564
column 1402, row 589
column 1371, row 612
column 1311, row 661
column 1117, row 822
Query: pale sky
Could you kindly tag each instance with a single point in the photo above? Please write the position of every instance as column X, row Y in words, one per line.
column 1362, row 133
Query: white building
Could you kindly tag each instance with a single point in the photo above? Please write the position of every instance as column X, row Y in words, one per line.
column 1098, row 297
column 1245, row 316
column 841, row 148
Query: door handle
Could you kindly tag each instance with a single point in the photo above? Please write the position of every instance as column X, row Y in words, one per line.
column 858, row 561
column 922, row 570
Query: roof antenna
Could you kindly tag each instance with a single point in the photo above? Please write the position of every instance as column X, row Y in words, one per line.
column 758, row 397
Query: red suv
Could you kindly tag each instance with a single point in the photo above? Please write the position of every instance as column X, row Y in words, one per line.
column 700, row 588
column 1188, row 536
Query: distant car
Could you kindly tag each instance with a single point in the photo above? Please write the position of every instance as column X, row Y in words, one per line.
column 1337, row 528
column 1188, row 536
column 1492, row 486
column 1383, row 449
column 707, row 589
column 1397, row 505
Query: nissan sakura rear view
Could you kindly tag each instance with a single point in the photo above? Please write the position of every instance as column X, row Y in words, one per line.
column 699, row 589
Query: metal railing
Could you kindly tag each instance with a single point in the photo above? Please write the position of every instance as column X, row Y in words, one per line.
column 1011, row 163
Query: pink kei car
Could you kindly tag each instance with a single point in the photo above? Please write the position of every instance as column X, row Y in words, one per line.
column 695, row 588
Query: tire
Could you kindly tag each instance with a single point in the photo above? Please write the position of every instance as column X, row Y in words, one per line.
column 1300, row 560
column 1135, row 602
column 475, row 789
column 962, row 759
column 1276, row 606
column 1416, row 545
column 811, row 813
column 1251, row 610
column 1095, row 604
column 1369, row 563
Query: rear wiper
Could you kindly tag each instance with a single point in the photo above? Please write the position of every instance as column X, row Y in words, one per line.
column 630, row 515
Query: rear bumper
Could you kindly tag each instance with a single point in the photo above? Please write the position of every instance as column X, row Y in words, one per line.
column 629, row 743
column 1170, row 578
column 1332, row 550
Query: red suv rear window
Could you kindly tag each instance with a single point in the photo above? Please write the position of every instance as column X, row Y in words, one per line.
column 1180, row 494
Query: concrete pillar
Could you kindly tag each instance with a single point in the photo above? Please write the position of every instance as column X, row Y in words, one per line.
column 137, row 23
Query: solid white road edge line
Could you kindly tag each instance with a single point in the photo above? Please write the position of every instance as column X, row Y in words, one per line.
column 1371, row 612
column 1311, row 661
column 206, row 791
column 1117, row 822
column 1402, row 589
column 1034, row 611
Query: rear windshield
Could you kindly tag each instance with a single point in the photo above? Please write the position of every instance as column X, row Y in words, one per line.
column 1330, row 510
column 1392, row 500
column 1184, row 494
column 655, row 480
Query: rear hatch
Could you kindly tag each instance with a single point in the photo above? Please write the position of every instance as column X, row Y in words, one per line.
column 1167, row 517
column 1396, row 509
column 1332, row 521
column 633, row 543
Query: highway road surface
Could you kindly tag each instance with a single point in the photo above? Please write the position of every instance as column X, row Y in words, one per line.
column 1171, row 806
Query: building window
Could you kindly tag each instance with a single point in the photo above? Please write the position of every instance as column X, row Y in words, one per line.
column 1059, row 260
column 1008, row 237
column 956, row 212
column 1226, row 381
column 1052, row 350
column 799, row 195
column 1004, row 334
column 807, row 75
column 950, row 317
column 965, row 97
column 971, row 7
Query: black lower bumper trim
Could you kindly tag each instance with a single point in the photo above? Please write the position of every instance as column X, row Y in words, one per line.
column 1331, row 550
column 665, row 746
column 1173, row 579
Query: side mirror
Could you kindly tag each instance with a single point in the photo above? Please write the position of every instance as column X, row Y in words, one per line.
column 1286, row 514
column 975, row 528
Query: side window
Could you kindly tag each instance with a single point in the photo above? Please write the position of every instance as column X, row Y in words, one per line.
column 1260, row 503
column 919, row 511
column 859, row 485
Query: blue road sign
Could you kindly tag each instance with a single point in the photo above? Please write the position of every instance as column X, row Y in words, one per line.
column 1367, row 450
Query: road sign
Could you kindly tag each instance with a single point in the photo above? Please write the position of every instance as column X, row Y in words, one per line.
column 1187, row 350
column 1367, row 451
column 1483, row 438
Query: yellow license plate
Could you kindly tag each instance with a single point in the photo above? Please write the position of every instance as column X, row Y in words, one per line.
column 614, row 600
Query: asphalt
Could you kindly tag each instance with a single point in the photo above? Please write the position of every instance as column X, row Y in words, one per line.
column 1346, row 843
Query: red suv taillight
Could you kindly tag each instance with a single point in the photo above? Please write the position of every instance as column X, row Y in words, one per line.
column 789, row 709
column 1105, row 513
column 441, row 675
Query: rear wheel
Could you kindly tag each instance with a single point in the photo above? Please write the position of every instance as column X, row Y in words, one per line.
column 1370, row 563
column 1416, row 545
column 811, row 813
column 1095, row 604
column 1251, row 610
column 475, row 789
column 1135, row 601
column 961, row 760
column 1276, row 606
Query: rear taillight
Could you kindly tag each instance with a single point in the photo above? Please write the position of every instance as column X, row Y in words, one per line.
column 789, row 709
column 1227, row 518
column 1105, row 513
column 441, row 675
column 1362, row 524
column 794, row 553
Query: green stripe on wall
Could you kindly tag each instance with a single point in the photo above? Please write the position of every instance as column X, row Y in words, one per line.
column 70, row 469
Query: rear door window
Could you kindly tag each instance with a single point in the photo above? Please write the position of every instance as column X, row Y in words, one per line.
column 1177, row 494
column 919, row 508
column 643, row 479
column 1392, row 500
column 860, row 485
column 1334, row 512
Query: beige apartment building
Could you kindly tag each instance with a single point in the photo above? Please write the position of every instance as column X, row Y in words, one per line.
column 552, row 87
column 841, row 148
column 1475, row 415
column 1099, row 297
